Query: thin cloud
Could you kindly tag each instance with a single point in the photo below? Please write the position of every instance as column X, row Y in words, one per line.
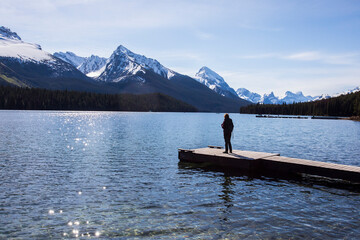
column 315, row 56
column 304, row 56
column 261, row 56
column 204, row 35
column 139, row 14
column 260, row 28
column 337, row 59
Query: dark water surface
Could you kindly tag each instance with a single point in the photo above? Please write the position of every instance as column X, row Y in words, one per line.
column 116, row 176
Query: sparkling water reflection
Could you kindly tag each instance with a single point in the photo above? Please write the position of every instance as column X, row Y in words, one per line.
column 116, row 175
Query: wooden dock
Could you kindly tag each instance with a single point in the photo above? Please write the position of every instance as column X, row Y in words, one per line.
column 280, row 116
column 328, row 117
column 268, row 163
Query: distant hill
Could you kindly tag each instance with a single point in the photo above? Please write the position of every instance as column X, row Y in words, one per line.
column 344, row 105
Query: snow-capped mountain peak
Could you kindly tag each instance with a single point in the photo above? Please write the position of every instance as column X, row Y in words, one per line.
column 208, row 77
column 245, row 94
column 215, row 82
column 124, row 63
column 71, row 58
column 147, row 63
column 11, row 46
column 291, row 97
column 7, row 33
column 269, row 99
column 124, row 50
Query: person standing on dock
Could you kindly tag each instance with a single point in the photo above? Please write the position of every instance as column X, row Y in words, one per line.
column 228, row 127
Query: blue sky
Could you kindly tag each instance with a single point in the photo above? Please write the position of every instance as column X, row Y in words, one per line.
column 271, row 45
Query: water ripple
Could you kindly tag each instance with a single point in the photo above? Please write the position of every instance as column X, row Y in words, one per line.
column 116, row 175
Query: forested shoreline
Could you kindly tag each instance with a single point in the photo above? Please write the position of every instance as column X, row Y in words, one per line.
column 344, row 105
column 43, row 99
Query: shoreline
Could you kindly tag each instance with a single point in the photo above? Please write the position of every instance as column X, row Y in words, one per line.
column 354, row 118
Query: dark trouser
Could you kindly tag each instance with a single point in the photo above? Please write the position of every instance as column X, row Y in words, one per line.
column 227, row 142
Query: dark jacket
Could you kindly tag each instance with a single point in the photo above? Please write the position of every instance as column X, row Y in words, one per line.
column 227, row 126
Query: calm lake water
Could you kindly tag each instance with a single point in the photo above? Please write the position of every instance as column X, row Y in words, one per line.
column 115, row 175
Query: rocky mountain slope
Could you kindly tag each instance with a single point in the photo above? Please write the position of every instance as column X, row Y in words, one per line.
column 87, row 65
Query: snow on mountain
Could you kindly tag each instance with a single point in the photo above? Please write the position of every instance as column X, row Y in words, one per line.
column 92, row 64
column 215, row 82
column 253, row 97
column 357, row 89
column 124, row 63
column 71, row 58
column 26, row 64
column 8, row 34
column 269, row 99
column 87, row 65
column 245, row 94
column 291, row 97
column 321, row 97
column 11, row 46
column 327, row 96
column 97, row 73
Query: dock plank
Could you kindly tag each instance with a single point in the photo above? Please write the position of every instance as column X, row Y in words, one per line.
column 237, row 154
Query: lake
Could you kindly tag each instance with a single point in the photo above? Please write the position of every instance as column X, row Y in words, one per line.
column 115, row 175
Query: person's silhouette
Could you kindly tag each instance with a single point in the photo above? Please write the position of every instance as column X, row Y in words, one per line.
column 228, row 127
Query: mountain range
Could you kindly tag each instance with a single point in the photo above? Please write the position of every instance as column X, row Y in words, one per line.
column 27, row 65
column 217, row 83
column 205, row 76
column 289, row 98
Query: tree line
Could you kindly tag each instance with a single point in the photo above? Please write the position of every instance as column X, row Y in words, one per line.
column 345, row 105
column 44, row 99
